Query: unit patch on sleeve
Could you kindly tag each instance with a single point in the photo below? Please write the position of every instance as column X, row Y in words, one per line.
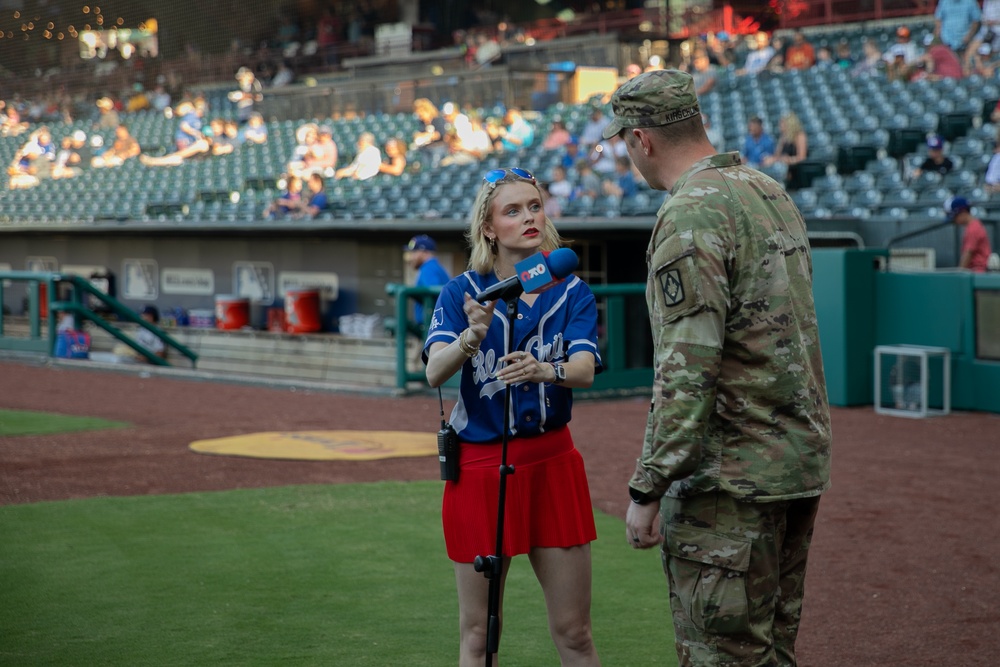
column 673, row 287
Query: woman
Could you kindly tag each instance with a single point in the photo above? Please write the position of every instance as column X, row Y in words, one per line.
column 792, row 148
column 394, row 162
column 555, row 350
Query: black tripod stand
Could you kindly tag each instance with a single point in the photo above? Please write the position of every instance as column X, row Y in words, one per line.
column 492, row 566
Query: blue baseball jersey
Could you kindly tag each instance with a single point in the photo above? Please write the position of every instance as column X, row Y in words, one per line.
column 430, row 274
column 562, row 321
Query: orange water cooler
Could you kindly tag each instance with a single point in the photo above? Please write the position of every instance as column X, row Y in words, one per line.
column 302, row 311
column 231, row 312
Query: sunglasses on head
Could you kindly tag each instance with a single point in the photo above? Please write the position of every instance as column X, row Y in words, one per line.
column 496, row 175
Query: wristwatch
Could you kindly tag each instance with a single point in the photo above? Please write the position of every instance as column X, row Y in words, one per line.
column 560, row 372
column 640, row 498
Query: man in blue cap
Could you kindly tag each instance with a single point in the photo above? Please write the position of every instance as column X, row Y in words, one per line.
column 936, row 160
column 420, row 255
column 975, row 251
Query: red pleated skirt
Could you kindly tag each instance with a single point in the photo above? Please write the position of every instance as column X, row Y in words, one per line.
column 548, row 499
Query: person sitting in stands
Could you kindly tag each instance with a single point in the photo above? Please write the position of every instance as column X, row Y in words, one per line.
column 316, row 203
column 517, row 133
column 33, row 161
column 792, row 148
column 287, row 201
column 256, row 131
column 430, row 139
column 936, row 160
column 367, row 161
column 124, row 147
column 469, row 142
column 558, row 136
column 222, row 144
column 322, row 156
column 395, row 154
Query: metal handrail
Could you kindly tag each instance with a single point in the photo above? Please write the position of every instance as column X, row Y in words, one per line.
column 77, row 307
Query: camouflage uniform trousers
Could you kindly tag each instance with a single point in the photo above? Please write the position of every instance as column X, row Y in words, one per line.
column 737, row 576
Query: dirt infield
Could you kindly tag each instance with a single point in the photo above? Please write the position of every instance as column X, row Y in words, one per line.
column 904, row 569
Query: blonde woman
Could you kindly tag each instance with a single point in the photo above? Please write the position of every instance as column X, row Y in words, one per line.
column 793, row 145
column 548, row 509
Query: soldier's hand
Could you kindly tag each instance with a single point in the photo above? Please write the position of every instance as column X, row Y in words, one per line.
column 642, row 525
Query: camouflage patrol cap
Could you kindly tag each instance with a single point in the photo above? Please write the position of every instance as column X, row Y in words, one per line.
column 658, row 97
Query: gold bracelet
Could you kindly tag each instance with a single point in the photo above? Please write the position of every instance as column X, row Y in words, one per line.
column 467, row 349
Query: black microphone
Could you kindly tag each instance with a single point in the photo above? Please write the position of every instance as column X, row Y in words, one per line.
column 533, row 275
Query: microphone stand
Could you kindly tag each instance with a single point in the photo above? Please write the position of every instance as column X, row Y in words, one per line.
column 492, row 566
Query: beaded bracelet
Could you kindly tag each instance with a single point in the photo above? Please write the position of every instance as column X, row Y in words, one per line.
column 467, row 349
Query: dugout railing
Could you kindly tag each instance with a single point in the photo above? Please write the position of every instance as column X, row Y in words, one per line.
column 84, row 301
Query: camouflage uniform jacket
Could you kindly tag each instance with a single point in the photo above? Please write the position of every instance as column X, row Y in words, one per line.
column 739, row 399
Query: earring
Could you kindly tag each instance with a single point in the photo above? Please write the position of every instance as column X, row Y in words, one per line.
column 492, row 243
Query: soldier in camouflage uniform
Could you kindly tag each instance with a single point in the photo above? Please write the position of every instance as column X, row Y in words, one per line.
column 737, row 444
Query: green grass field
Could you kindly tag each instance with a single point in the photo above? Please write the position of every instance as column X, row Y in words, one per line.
column 350, row 575
column 26, row 422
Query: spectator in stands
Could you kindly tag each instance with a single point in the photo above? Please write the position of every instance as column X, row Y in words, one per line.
column 632, row 70
column 558, row 135
column 394, row 162
column 758, row 144
column 189, row 129
column 605, row 155
column 703, row 72
column 792, row 147
column 287, row 201
column 903, row 45
column 10, row 121
column 592, row 131
column 843, row 58
column 940, row 62
column 588, row 183
column 367, row 161
column 516, row 133
column 107, row 115
column 623, row 184
column 982, row 61
column 992, row 179
column 284, row 76
column 936, row 160
column 988, row 35
column 323, row 154
column 897, row 69
column 247, row 95
column 160, row 99
column 558, row 185
column 468, row 142
column 430, row 138
column 222, row 144
column 35, row 157
column 82, row 148
column 256, row 131
column 570, row 154
column 758, row 59
column 63, row 166
column 824, row 59
column 800, row 53
column 123, row 148
column 956, row 22
column 550, row 203
column 975, row 243
column 314, row 201
column 871, row 62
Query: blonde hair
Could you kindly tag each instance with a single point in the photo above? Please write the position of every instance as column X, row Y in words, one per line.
column 483, row 254
column 793, row 126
